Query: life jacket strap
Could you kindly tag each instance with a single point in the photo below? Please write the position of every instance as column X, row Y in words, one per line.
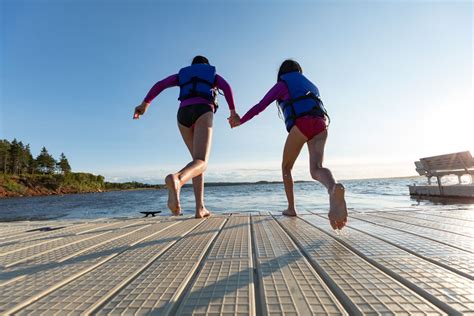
column 303, row 97
column 195, row 80
column 193, row 91
column 319, row 107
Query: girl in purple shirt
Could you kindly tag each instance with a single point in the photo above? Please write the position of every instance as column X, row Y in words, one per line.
column 195, row 116
column 308, row 129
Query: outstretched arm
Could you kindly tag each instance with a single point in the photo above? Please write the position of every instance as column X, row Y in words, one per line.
column 278, row 91
column 225, row 87
column 157, row 88
column 229, row 97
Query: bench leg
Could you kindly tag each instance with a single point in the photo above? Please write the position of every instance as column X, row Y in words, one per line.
column 439, row 185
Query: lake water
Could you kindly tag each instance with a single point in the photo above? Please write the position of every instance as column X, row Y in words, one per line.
column 362, row 195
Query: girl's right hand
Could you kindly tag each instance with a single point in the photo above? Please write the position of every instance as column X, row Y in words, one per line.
column 140, row 110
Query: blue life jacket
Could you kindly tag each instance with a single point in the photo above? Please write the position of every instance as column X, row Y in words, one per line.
column 304, row 99
column 197, row 81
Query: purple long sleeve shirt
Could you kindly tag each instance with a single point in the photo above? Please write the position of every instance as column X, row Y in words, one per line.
column 278, row 92
column 173, row 81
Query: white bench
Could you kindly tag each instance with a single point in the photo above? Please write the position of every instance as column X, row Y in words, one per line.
column 458, row 164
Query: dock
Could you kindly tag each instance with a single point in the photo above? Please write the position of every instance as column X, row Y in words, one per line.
column 399, row 262
column 459, row 191
column 456, row 164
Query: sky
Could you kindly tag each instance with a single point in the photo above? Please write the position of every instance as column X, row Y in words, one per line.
column 395, row 76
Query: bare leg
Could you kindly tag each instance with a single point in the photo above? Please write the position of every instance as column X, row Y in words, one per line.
column 173, row 194
column 293, row 145
column 198, row 181
column 201, row 145
column 337, row 204
column 316, row 155
column 198, row 186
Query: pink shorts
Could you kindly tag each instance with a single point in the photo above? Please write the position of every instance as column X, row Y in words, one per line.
column 311, row 126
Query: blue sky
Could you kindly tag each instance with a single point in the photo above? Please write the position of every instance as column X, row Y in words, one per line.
column 396, row 78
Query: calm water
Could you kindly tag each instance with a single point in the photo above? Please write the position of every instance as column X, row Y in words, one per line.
column 362, row 195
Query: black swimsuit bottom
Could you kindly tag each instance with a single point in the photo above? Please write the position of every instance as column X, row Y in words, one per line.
column 188, row 115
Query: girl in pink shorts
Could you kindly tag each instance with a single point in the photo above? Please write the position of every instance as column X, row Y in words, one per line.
column 306, row 122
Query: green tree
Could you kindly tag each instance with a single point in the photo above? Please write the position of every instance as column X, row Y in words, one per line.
column 4, row 155
column 14, row 153
column 63, row 164
column 30, row 163
column 22, row 158
column 45, row 162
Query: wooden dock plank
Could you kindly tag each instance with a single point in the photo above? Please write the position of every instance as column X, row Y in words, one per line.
column 288, row 283
column 444, row 288
column 368, row 288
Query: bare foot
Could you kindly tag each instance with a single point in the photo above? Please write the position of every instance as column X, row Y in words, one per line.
column 202, row 212
column 289, row 212
column 172, row 183
column 337, row 207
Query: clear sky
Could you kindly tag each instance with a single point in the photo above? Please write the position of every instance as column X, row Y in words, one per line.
column 395, row 76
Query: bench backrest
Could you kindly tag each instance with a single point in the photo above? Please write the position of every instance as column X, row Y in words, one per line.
column 420, row 169
column 456, row 161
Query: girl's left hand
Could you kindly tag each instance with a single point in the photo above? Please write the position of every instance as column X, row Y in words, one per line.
column 234, row 120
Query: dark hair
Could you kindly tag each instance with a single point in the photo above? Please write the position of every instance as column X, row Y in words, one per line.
column 287, row 66
column 200, row 60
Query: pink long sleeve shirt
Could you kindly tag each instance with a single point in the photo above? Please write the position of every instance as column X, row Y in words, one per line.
column 173, row 81
column 278, row 92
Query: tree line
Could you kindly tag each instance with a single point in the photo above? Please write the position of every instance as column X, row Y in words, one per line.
column 16, row 158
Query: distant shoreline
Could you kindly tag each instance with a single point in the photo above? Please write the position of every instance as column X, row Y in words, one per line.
column 39, row 190
column 300, row 181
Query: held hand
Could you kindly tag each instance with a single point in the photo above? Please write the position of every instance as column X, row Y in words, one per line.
column 140, row 110
column 235, row 123
column 234, row 120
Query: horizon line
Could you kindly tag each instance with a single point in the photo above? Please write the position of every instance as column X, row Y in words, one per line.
column 267, row 181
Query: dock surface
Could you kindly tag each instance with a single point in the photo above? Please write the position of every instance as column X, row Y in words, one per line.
column 388, row 262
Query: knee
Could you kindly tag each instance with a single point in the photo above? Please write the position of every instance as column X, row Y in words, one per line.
column 202, row 162
column 286, row 168
column 315, row 171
